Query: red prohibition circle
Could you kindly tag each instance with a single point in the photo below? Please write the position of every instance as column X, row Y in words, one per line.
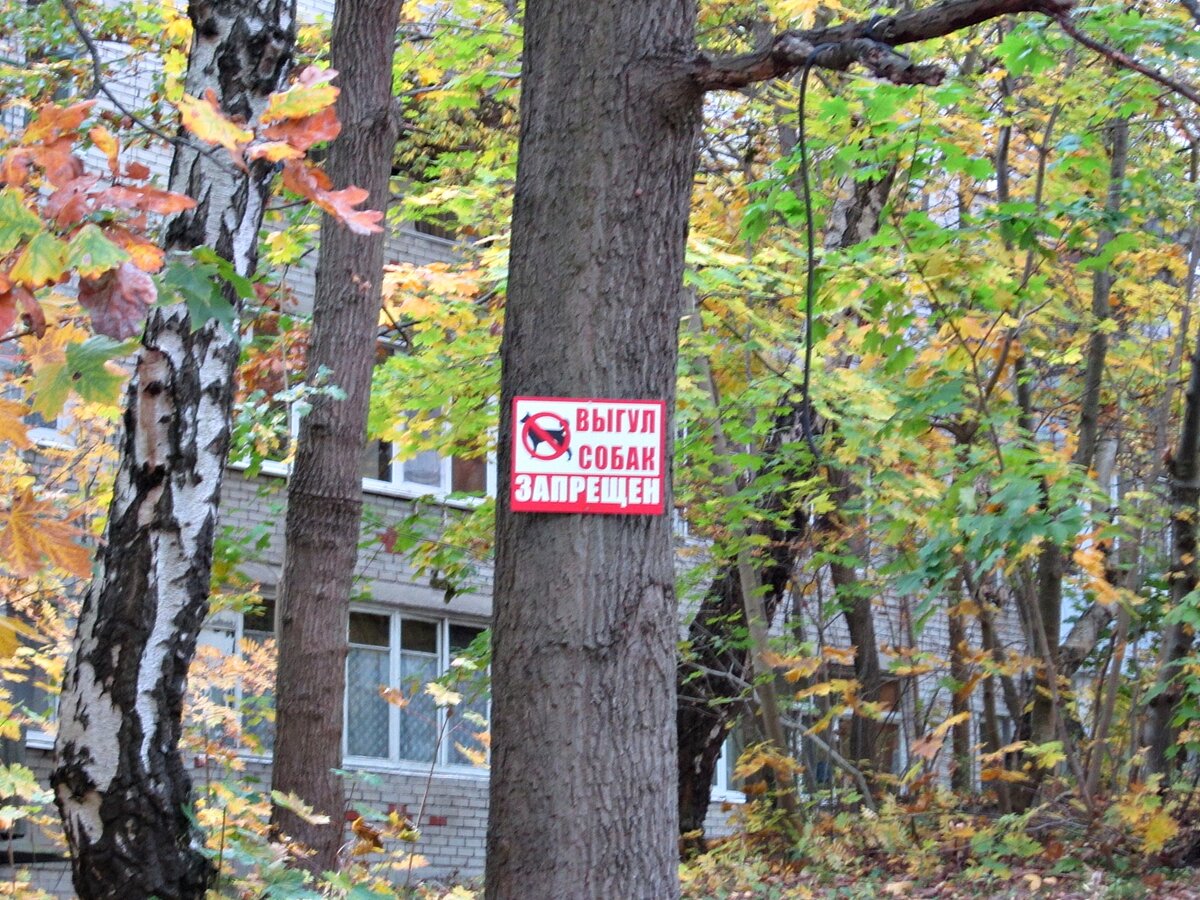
column 535, row 431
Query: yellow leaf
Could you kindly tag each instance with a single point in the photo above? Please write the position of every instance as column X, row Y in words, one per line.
column 298, row 807
column 442, row 696
column 1159, row 830
column 311, row 94
column 204, row 119
column 41, row 262
column 12, row 428
column 32, row 529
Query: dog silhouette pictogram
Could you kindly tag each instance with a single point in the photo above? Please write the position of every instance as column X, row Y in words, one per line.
column 559, row 434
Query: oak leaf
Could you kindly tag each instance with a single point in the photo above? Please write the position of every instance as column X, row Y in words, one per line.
column 117, row 300
column 303, row 133
column 52, row 122
column 311, row 93
column 315, row 185
column 204, row 119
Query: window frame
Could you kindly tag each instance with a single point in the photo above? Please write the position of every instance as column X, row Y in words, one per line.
column 393, row 761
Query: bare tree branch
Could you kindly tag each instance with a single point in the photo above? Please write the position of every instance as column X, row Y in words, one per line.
column 100, row 85
column 1121, row 58
column 870, row 43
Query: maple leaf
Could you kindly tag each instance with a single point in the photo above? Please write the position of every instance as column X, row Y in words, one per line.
column 32, row 530
column 90, row 253
column 315, row 185
column 117, row 300
column 12, row 426
column 41, row 262
column 1160, row 829
column 303, row 133
column 311, row 93
column 204, row 119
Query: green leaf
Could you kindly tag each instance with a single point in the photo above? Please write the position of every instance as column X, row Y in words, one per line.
column 17, row 221
column 198, row 287
column 41, row 262
column 90, row 253
column 84, row 371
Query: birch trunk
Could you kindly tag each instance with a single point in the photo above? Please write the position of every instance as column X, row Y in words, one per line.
column 120, row 784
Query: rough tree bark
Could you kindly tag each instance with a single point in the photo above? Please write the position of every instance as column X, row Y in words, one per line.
column 582, row 786
column 584, row 626
column 119, row 781
column 324, row 510
column 1183, row 469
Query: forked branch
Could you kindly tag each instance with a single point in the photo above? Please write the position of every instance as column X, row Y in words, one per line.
column 870, row 43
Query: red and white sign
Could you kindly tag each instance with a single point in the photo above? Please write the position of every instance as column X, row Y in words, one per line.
column 588, row 456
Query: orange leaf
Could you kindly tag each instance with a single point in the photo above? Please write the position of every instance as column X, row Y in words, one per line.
column 59, row 161
column 108, row 145
column 12, row 426
column 303, row 133
column 137, row 171
column 52, row 122
column 145, row 255
column 204, row 119
column 34, row 529
column 314, row 184
column 146, row 199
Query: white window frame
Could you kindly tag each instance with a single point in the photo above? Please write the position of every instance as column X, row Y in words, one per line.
column 721, row 791
column 234, row 623
column 393, row 762
column 396, row 486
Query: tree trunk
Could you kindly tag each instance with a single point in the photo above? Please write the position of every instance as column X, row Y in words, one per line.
column 706, row 711
column 325, row 490
column 583, row 673
column 1159, row 733
column 1052, row 558
column 119, row 780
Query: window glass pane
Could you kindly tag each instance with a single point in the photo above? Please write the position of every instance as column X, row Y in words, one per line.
column 424, row 468
column 419, row 636
column 419, row 719
column 368, row 629
column 461, row 637
column 366, row 711
column 468, row 476
column 258, row 702
column 377, row 460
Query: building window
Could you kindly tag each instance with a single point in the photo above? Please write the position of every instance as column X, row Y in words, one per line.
column 235, row 660
column 426, row 472
column 404, row 653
